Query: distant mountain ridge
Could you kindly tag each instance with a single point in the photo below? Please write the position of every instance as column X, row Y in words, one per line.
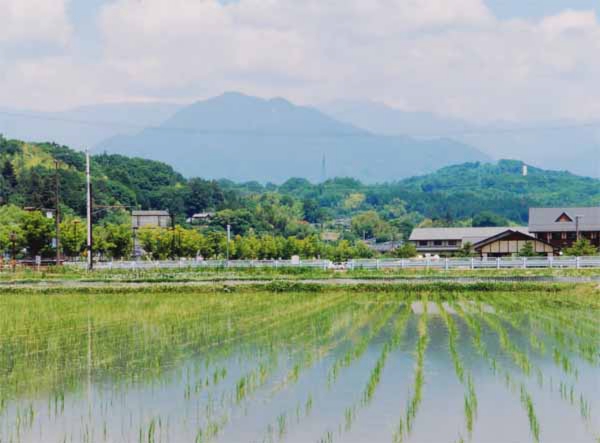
column 244, row 138
column 559, row 145
column 83, row 127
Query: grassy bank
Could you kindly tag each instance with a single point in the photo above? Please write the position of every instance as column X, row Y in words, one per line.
column 220, row 274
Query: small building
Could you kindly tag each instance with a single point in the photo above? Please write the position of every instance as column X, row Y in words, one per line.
column 330, row 236
column 201, row 218
column 512, row 242
column 561, row 226
column 160, row 219
column 447, row 241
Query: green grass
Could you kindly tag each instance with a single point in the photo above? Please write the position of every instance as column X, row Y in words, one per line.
column 186, row 274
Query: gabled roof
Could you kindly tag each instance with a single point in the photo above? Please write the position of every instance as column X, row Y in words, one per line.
column 549, row 219
column 508, row 233
column 471, row 235
column 564, row 217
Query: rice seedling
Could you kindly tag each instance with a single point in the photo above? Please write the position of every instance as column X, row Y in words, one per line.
column 405, row 424
column 182, row 364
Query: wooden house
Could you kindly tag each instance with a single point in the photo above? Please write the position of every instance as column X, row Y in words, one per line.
column 561, row 227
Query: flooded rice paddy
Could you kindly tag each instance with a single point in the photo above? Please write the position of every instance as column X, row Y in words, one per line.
column 300, row 367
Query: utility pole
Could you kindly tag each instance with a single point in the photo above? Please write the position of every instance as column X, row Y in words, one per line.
column 228, row 239
column 13, row 240
column 172, row 214
column 57, row 195
column 577, row 218
column 89, row 211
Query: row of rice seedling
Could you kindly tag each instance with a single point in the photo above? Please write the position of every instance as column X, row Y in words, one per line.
column 376, row 316
column 463, row 374
column 406, row 421
column 227, row 357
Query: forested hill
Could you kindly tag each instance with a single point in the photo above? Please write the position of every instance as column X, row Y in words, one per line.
column 450, row 194
column 466, row 189
column 453, row 195
column 27, row 179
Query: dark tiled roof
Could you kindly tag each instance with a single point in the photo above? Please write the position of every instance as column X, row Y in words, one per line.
column 472, row 235
column 545, row 219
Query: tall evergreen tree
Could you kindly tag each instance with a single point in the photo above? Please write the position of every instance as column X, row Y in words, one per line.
column 8, row 172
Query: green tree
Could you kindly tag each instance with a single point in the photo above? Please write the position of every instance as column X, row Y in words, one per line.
column 8, row 172
column 11, row 218
column 313, row 212
column 466, row 250
column 116, row 240
column 73, row 236
column 370, row 225
column 581, row 248
column 487, row 218
column 38, row 232
column 156, row 242
column 527, row 250
column 407, row 250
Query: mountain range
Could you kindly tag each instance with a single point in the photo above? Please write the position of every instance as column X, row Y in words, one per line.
column 246, row 138
column 558, row 145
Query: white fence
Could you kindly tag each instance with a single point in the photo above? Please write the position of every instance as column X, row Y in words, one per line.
column 424, row 263
column 181, row 264
column 478, row 263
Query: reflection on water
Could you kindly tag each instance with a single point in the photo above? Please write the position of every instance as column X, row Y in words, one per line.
column 492, row 367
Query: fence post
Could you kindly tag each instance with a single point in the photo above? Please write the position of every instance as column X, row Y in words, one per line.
column 524, row 262
column 446, row 263
column 377, row 264
column 402, row 264
column 497, row 262
column 551, row 261
column 427, row 263
column 577, row 262
column 472, row 263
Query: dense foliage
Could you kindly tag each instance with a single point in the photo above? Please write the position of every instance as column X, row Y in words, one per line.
column 337, row 210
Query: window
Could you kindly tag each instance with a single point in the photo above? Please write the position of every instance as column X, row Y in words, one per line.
column 438, row 243
column 593, row 235
column 423, row 242
column 557, row 235
column 452, row 242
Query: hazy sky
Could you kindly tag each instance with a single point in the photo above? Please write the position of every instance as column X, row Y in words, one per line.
column 476, row 59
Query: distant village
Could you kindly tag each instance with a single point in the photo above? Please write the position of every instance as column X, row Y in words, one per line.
column 550, row 231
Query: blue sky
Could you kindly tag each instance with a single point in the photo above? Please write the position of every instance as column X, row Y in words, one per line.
column 473, row 59
column 506, row 9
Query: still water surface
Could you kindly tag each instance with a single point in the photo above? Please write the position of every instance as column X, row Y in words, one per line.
column 301, row 368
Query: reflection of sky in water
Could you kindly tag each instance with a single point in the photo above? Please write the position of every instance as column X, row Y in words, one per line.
column 126, row 410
